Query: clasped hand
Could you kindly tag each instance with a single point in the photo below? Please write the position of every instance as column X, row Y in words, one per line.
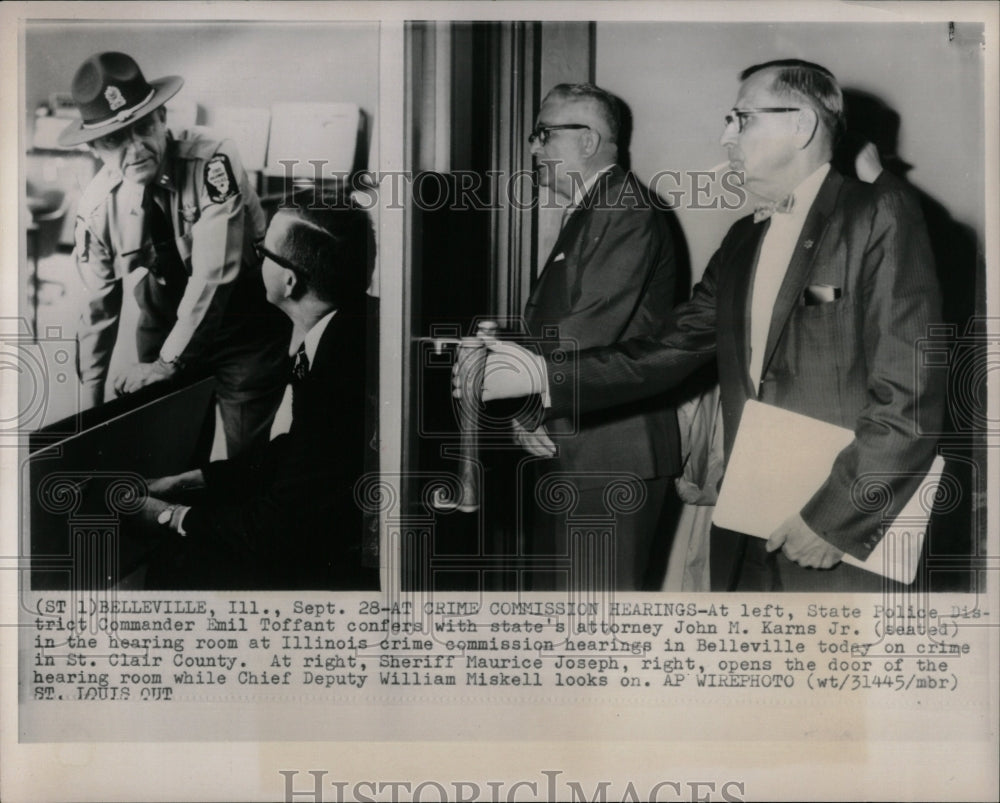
column 801, row 544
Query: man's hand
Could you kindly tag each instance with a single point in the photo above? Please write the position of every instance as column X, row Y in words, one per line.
column 511, row 372
column 148, row 517
column 802, row 545
column 140, row 374
column 151, row 508
column 867, row 164
column 537, row 443
column 169, row 487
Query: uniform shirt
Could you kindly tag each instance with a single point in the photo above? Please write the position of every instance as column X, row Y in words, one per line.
column 214, row 213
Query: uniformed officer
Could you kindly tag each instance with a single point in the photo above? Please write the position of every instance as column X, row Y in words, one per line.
column 180, row 207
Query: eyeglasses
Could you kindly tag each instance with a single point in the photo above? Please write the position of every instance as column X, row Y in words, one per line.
column 739, row 116
column 142, row 127
column 543, row 132
column 263, row 253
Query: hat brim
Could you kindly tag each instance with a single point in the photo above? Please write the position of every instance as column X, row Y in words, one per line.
column 163, row 90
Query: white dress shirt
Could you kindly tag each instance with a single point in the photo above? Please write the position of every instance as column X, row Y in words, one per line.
column 283, row 417
column 772, row 264
column 580, row 192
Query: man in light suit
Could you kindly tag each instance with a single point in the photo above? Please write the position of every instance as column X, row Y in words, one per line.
column 813, row 304
column 610, row 276
column 287, row 519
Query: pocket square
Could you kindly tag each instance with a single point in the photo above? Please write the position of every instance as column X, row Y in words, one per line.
column 820, row 294
column 558, row 257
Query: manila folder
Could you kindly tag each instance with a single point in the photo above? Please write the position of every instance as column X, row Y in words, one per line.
column 780, row 459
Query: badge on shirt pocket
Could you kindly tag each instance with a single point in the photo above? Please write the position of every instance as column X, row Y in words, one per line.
column 220, row 181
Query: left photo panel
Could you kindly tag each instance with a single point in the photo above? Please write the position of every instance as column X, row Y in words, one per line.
column 197, row 323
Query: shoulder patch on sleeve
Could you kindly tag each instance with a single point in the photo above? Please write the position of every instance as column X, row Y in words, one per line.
column 220, row 181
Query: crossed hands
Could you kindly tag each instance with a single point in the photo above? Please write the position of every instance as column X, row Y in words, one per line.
column 162, row 492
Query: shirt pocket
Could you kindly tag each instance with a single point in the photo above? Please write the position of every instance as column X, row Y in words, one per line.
column 815, row 341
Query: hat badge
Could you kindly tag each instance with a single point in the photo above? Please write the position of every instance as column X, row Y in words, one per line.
column 114, row 97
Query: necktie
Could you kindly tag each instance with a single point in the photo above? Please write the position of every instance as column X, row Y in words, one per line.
column 782, row 207
column 301, row 367
column 164, row 259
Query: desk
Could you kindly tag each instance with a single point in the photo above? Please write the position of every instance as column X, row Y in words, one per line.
column 83, row 474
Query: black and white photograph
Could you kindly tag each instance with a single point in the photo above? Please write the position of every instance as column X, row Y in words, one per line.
column 195, row 253
column 630, row 335
column 499, row 401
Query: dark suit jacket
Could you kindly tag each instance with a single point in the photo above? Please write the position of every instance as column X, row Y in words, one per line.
column 610, row 277
column 288, row 519
column 850, row 361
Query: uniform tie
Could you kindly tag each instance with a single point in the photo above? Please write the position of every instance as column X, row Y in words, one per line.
column 164, row 260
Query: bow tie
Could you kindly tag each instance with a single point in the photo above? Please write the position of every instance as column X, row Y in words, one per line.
column 301, row 367
column 782, row 207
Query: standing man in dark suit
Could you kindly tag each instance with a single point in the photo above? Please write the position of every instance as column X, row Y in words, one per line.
column 288, row 520
column 813, row 304
column 610, row 276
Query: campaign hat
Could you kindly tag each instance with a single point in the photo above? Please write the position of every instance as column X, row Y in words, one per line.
column 111, row 93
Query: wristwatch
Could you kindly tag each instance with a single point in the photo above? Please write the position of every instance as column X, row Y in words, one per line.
column 166, row 517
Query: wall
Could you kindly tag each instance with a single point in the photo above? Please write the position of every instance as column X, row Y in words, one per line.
column 223, row 64
column 680, row 79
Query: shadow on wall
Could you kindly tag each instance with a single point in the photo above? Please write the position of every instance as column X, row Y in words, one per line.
column 682, row 256
column 955, row 246
column 960, row 269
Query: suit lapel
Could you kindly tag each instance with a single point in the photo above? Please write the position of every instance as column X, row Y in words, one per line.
column 557, row 278
column 326, row 348
column 742, row 267
column 800, row 267
column 549, row 289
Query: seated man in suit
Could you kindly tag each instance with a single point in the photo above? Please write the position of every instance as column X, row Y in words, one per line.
column 287, row 519
column 813, row 304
